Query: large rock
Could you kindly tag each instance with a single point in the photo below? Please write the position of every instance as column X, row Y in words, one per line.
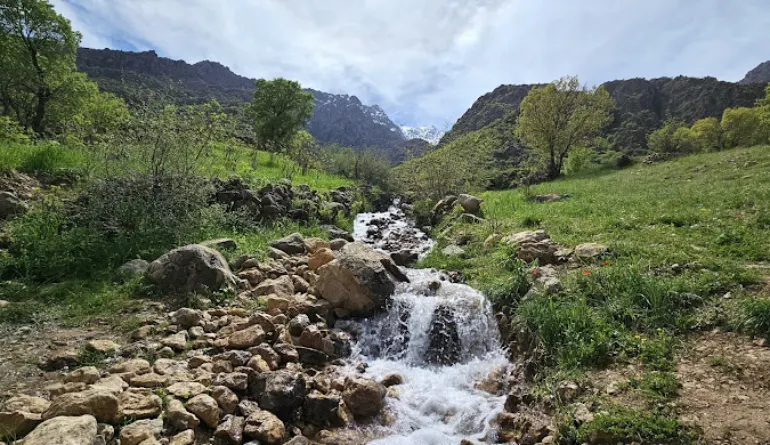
column 525, row 237
column 443, row 206
column 17, row 423
column 190, row 269
column 360, row 279
column 470, row 203
column 28, row 404
column 178, row 417
column 206, row 408
column 590, row 251
column 138, row 432
column 132, row 269
column 292, row 244
column 64, row 431
column 326, row 410
column 265, row 427
column 444, row 346
column 101, row 404
column 364, row 397
column 282, row 287
column 246, row 338
column 139, row 404
column 280, row 392
column 230, row 431
column 11, row 205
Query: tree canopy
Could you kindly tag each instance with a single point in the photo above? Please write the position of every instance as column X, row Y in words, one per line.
column 279, row 110
column 561, row 116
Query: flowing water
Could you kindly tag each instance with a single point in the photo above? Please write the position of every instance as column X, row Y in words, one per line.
column 441, row 337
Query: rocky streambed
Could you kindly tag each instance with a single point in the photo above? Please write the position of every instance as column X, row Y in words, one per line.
column 326, row 342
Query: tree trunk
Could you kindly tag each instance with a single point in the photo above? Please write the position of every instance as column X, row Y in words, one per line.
column 553, row 167
column 43, row 95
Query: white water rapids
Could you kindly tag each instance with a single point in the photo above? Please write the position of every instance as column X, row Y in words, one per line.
column 442, row 339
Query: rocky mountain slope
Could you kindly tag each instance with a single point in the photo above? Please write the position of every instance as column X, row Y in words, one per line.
column 338, row 119
column 641, row 105
column 760, row 74
column 427, row 133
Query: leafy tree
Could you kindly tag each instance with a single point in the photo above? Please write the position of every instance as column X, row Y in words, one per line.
column 560, row 116
column 707, row 134
column 666, row 139
column 279, row 110
column 37, row 60
column 745, row 127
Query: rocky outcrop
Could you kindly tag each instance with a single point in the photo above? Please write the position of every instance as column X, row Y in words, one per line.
column 359, row 280
column 190, row 269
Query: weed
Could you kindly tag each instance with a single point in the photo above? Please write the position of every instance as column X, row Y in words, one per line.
column 753, row 317
column 657, row 385
column 89, row 357
column 624, row 425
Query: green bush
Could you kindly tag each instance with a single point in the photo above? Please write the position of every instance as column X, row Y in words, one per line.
column 657, row 384
column 11, row 131
column 579, row 160
column 625, row 425
column 753, row 317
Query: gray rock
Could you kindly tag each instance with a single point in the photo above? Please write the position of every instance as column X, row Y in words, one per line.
column 292, row 244
column 132, row 269
column 364, row 397
column 280, row 392
column 453, row 251
column 189, row 269
column 470, row 203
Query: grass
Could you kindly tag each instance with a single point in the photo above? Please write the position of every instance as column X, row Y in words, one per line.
column 624, row 425
column 680, row 233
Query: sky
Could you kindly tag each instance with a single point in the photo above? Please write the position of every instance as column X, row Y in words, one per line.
column 426, row 61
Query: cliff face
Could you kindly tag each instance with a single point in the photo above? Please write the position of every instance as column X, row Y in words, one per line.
column 641, row 105
column 137, row 77
column 760, row 74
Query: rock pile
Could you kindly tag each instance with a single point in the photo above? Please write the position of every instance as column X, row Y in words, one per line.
column 225, row 375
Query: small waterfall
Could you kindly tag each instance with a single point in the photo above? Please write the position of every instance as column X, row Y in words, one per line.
column 441, row 337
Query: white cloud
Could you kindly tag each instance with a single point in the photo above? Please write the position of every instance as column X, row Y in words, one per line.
column 426, row 61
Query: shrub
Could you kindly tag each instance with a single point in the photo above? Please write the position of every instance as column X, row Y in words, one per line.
column 11, row 131
column 624, row 425
column 753, row 317
column 578, row 160
column 657, row 384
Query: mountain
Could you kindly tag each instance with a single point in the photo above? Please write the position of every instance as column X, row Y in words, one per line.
column 139, row 76
column 641, row 105
column 760, row 74
column 429, row 133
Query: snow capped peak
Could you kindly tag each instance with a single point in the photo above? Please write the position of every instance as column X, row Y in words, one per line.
column 427, row 133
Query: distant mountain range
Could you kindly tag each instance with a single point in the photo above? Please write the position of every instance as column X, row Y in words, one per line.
column 641, row 105
column 337, row 119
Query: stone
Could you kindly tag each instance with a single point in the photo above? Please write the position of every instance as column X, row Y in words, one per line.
column 178, row 417
column 11, row 205
column 268, row 354
column 292, row 244
column 113, row 384
column 187, row 318
column 235, row 357
column 230, row 431
column 101, row 404
column 311, row 357
column 525, row 237
column 190, row 269
column 246, row 338
column 300, row 285
column 87, row 375
column 444, row 347
column 337, row 244
column 287, row 352
column 335, row 232
column 265, row 427
column 135, row 366
column 78, row 430
column 151, row 380
column 543, row 252
column 132, row 269
column 166, row 352
column 139, row 404
column 404, row 257
column 360, row 279
column 18, row 423
column 325, row 410
column 237, row 381
column 186, row 437
column 137, row 432
column 470, row 203
column 206, row 409
column 276, row 254
column 177, row 342
column 225, row 398
column 186, row 390
column 282, row 287
column 492, row 240
column 392, row 380
column 259, row 364
column 4, row 304
column 280, row 392
column 254, row 276
column 104, row 434
column 102, row 346
column 28, row 404
column 319, row 258
column 312, row 245
column 590, row 251
column 453, row 251
column 443, row 206
column 311, row 337
column 66, row 358
column 220, row 244
column 364, row 397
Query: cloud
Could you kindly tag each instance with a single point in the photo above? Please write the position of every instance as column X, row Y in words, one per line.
column 427, row 61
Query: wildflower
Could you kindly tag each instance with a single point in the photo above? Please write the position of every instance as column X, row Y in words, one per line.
column 606, row 263
column 740, row 216
column 586, row 272
column 535, row 271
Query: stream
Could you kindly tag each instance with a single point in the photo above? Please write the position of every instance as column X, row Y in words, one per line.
column 441, row 337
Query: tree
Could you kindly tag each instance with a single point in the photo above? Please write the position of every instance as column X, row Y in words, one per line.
column 279, row 110
column 707, row 134
column 667, row 138
column 560, row 116
column 745, row 127
column 37, row 60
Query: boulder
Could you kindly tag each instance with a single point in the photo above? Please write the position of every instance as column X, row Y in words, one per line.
column 99, row 403
column 186, row 437
column 319, row 258
column 187, row 318
column 335, row 232
column 102, row 346
column 337, row 244
column 404, row 257
column 265, row 427
column 292, row 244
column 17, row 423
column 220, row 244
column 444, row 346
column 246, row 338
column 86, row 374
column 132, row 269
column 525, row 237
column 189, row 269
column 444, row 205
column 590, row 251
column 360, row 279
column 280, row 392
column 312, row 245
column 80, row 430
column 28, row 404
column 178, row 417
column 138, row 432
column 470, row 203
column 326, row 410
column 177, row 342
column 364, row 397
column 282, row 287
column 226, row 398
column 453, row 251
column 139, row 404
column 230, row 431
column 206, row 409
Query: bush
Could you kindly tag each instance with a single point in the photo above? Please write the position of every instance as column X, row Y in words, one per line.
column 11, row 131
column 114, row 220
column 578, row 160
column 625, row 425
column 753, row 317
